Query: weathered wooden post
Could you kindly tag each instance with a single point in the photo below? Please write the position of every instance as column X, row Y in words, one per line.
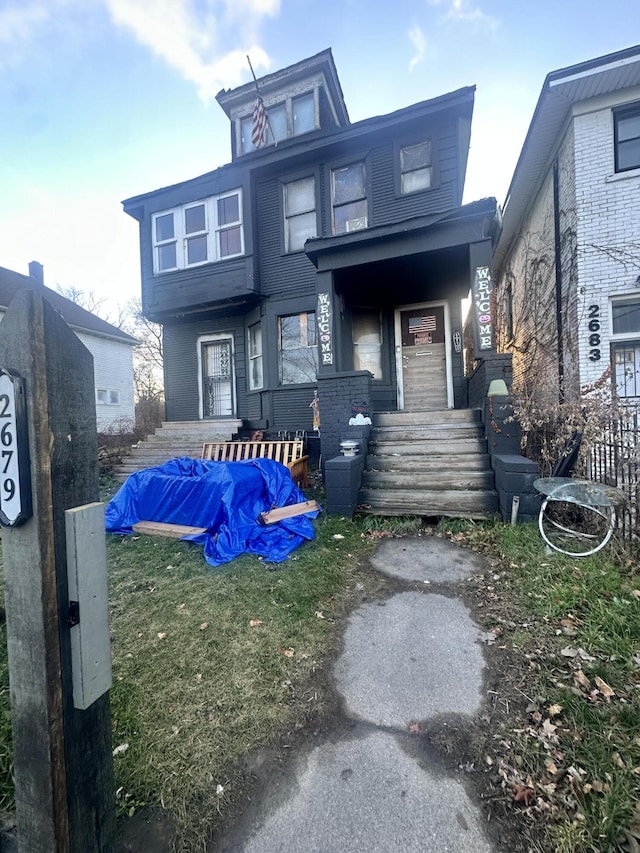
column 62, row 753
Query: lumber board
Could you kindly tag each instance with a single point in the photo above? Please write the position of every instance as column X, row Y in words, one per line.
column 171, row 531
column 274, row 515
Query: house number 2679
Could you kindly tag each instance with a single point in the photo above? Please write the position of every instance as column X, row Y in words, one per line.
column 594, row 333
column 15, row 486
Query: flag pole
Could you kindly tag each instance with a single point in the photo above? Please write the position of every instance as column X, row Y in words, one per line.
column 255, row 82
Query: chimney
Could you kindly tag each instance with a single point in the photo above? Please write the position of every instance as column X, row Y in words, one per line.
column 36, row 272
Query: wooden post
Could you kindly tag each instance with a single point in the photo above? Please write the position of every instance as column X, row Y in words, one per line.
column 62, row 755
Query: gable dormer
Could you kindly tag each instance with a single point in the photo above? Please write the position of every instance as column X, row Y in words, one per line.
column 300, row 99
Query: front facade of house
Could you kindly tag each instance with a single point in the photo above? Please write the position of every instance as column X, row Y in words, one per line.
column 567, row 263
column 111, row 348
column 342, row 249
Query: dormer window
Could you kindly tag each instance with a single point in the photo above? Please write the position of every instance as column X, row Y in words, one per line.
column 292, row 117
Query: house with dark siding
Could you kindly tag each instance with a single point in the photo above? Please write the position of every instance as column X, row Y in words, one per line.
column 332, row 259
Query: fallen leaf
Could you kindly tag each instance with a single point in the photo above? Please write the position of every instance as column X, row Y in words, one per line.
column 198, row 677
column 204, row 625
column 219, row 790
column 604, row 688
column 551, row 767
column 585, row 655
column 169, row 568
column 255, row 623
column 337, row 536
column 123, row 747
column 414, row 727
column 582, row 679
column 524, row 795
column 635, row 593
column 289, row 653
column 569, row 652
column 161, row 635
column 319, row 614
column 554, row 710
column 548, row 728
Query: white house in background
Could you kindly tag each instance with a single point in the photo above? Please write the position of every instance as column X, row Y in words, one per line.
column 567, row 263
column 111, row 348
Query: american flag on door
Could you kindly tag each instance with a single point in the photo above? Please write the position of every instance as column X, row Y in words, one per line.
column 422, row 324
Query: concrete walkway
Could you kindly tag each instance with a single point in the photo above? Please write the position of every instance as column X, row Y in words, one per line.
column 413, row 658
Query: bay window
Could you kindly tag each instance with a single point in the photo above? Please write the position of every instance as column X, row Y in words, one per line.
column 192, row 234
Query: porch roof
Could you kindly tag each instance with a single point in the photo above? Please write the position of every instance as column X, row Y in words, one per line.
column 462, row 225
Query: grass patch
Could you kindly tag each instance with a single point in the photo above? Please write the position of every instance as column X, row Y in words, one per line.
column 571, row 756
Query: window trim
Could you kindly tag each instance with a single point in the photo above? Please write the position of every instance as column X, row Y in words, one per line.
column 435, row 165
column 313, row 347
column 252, row 358
column 285, row 234
column 333, row 168
column 618, row 113
column 213, row 230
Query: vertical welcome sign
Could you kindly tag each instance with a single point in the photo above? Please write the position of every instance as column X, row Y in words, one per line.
column 325, row 316
column 481, row 292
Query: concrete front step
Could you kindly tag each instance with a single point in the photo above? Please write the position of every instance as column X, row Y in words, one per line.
column 426, row 503
column 442, row 480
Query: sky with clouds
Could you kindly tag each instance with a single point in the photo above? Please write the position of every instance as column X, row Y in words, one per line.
column 101, row 100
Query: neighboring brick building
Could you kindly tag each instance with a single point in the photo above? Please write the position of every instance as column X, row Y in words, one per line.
column 567, row 262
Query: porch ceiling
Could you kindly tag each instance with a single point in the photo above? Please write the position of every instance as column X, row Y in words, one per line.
column 406, row 279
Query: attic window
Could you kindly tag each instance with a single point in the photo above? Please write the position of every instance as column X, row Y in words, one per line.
column 627, row 138
column 292, row 117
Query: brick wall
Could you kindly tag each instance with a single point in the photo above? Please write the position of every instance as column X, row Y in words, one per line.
column 338, row 392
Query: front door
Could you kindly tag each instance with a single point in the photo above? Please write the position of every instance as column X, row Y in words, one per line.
column 421, row 358
column 217, row 378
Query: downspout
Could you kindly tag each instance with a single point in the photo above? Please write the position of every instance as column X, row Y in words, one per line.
column 558, row 265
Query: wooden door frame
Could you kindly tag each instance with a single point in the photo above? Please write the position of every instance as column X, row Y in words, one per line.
column 201, row 341
column 444, row 303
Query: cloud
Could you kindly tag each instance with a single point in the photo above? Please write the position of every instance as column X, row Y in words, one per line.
column 465, row 10
column 23, row 22
column 192, row 39
column 417, row 39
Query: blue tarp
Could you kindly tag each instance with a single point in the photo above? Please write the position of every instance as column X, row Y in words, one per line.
column 225, row 497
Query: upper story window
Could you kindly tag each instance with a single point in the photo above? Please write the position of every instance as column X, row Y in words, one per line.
column 349, row 199
column 416, row 168
column 627, row 138
column 199, row 233
column 299, row 213
column 291, row 118
column 625, row 324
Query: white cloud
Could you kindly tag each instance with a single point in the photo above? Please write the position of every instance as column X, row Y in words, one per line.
column 22, row 22
column 417, row 39
column 465, row 10
column 193, row 40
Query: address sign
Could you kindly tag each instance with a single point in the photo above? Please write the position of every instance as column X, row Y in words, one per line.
column 15, row 474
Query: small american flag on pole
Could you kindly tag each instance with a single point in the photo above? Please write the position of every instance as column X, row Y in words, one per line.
column 259, row 127
column 422, row 324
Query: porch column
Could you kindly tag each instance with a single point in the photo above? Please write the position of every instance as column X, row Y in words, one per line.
column 481, row 295
column 328, row 321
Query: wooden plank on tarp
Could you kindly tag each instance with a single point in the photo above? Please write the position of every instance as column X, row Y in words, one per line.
column 274, row 515
column 171, row 531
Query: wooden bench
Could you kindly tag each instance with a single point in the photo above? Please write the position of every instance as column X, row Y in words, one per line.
column 289, row 453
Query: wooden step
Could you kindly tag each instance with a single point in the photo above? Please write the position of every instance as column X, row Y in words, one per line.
column 433, row 432
column 438, row 480
column 429, row 462
column 446, row 416
column 428, row 446
column 454, row 503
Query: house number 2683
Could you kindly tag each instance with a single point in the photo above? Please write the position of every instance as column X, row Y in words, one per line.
column 594, row 333
column 15, row 485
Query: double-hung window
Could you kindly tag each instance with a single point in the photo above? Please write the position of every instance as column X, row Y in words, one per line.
column 415, row 167
column 625, row 320
column 256, row 376
column 199, row 233
column 627, row 138
column 349, row 199
column 367, row 340
column 299, row 213
column 297, row 348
